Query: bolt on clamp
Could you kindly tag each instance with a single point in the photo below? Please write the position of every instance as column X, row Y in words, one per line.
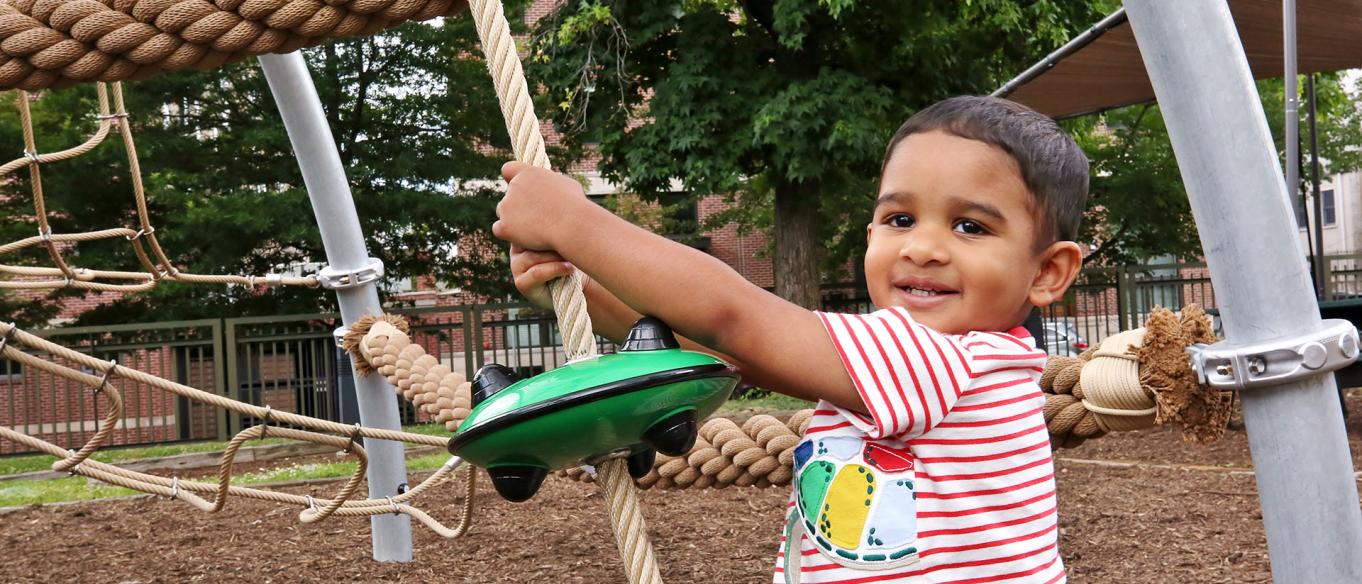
column 1273, row 362
column 335, row 279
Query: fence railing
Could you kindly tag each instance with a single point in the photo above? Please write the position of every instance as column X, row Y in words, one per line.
column 291, row 363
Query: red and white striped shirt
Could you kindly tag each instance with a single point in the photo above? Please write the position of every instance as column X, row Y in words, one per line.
column 965, row 412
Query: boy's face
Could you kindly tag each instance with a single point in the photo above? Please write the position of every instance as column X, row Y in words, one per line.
column 953, row 238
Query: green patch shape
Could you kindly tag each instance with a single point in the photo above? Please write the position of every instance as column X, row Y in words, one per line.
column 903, row 552
column 813, row 485
column 873, row 557
column 848, row 555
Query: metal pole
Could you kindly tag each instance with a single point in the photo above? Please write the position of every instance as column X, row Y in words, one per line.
column 1292, row 127
column 345, row 250
column 1239, row 198
column 1320, row 284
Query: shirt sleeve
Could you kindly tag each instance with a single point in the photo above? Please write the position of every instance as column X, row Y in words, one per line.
column 910, row 376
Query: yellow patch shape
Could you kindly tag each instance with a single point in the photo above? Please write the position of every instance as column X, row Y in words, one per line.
column 846, row 506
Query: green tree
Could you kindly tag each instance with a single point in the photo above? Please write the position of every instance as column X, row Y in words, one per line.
column 783, row 106
column 1139, row 208
column 418, row 130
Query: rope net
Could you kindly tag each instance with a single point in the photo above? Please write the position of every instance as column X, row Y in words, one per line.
column 212, row 497
column 150, row 255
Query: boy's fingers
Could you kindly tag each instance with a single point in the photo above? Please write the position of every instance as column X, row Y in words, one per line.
column 525, row 259
column 511, row 169
column 540, row 274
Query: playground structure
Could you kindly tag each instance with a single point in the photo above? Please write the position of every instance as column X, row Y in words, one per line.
column 1220, row 139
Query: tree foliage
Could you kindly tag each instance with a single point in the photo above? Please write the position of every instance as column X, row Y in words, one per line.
column 418, row 130
column 764, row 101
column 1139, row 208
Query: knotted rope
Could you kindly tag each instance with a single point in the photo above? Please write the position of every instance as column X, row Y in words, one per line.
column 58, row 43
column 339, row 436
column 1135, row 379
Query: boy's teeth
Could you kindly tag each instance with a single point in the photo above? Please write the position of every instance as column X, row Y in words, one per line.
column 921, row 292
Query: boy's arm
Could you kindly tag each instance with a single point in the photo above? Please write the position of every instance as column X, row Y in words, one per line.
column 610, row 317
column 774, row 343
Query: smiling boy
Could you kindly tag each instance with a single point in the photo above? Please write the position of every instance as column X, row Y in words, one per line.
column 927, row 459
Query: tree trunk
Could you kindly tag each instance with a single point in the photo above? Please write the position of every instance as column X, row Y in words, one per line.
column 798, row 278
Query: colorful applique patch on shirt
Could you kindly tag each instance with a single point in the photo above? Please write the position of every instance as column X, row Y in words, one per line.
column 855, row 501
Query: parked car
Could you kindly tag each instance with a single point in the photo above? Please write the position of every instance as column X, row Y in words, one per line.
column 1061, row 338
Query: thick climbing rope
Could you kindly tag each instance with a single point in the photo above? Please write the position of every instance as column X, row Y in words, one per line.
column 1132, row 380
column 569, row 303
column 328, row 433
column 146, row 247
column 1135, row 379
column 58, row 43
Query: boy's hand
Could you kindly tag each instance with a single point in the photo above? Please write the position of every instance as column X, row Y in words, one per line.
column 532, row 271
column 540, row 205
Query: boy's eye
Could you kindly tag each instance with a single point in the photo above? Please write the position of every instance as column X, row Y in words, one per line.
column 899, row 220
column 969, row 227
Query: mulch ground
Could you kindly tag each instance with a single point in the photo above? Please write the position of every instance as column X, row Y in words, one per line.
column 1184, row 513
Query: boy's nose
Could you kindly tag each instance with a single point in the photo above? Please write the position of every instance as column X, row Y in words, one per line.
column 924, row 247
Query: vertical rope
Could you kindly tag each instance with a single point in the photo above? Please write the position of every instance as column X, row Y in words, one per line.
column 569, row 303
column 626, row 518
column 528, row 143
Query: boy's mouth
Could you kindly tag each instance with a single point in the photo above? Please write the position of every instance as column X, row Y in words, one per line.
column 923, row 291
column 922, row 286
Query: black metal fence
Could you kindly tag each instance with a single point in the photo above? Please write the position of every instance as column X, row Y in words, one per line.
column 291, row 362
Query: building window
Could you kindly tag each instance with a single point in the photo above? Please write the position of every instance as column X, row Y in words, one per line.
column 1327, row 201
column 10, row 371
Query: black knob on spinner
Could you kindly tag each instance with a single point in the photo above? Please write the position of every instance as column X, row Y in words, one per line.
column 649, row 334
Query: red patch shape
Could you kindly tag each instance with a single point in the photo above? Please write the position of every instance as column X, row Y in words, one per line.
column 888, row 459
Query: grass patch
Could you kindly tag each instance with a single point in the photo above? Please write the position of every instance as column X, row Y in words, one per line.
column 18, row 493
column 773, row 401
column 32, row 492
column 12, row 465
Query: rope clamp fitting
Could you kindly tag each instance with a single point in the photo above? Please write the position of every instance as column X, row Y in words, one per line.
column 339, row 335
column 8, row 336
column 110, row 372
column 354, row 434
column 1277, row 361
column 45, row 233
column 32, row 156
column 140, row 233
column 265, row 421
column 336, row 279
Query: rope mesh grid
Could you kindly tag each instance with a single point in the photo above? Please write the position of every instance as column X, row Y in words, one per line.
column 150, row 255
column 71, row 365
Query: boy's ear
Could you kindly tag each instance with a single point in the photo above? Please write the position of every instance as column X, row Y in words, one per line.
column 1059, row 266
column 869, row 228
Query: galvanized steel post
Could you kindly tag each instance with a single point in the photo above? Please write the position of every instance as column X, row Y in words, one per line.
column 1248, row 232
column 334, row 207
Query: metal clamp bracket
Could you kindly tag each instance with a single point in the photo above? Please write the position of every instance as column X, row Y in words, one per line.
column 334, row 279
column 1225, row 366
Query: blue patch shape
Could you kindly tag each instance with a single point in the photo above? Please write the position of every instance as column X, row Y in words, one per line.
column 802, row 454
column 893, row 524
column 843, row 448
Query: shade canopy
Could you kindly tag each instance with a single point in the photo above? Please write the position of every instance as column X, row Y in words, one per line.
column 1102, row 69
